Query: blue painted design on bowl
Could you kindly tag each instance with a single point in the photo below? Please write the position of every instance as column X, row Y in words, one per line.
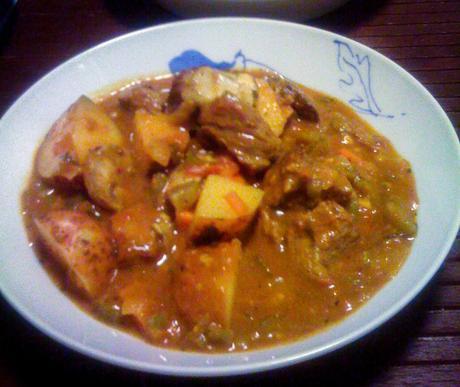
column 357, row 80
column 190, row 59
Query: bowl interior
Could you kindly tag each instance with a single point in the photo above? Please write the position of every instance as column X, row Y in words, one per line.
column 385, row 95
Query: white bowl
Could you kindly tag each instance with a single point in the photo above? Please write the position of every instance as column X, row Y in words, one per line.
column 383, row 93
column 289, row 9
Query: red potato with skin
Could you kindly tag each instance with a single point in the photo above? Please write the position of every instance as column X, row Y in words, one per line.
column 108, row 176
column 83, row 127
column 81, row 245
column 56, row 158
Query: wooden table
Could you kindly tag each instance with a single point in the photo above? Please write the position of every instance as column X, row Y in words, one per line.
column 420, row 346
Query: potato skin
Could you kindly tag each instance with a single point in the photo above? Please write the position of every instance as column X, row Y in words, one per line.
column 91, row 128
column 83, row 127
column 205, row 280
column 106, row 174
column 56, row 158
column 81, row 245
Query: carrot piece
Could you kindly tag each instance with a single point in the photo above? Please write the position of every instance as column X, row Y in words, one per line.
column 236, row 203
column 223, row 167
column 226, row 167
column 201, row 170
column 351, row 156
column 184, row 219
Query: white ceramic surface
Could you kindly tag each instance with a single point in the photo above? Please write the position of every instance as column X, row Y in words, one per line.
column 387, row 96
column 281, row 9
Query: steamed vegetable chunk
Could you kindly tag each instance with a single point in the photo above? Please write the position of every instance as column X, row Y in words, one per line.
column 81, row 246
column 226, row 205
column 205, row 280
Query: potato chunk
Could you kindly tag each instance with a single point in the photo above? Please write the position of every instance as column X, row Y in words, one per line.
column 81, row 245
column 274, row 114
column 204, row 284
column 226, row 205
column 56, row 158
column 84, row 126
column 91, row 128
column 106, row 173
column 160, row 136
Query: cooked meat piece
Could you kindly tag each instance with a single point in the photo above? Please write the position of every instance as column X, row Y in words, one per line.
column 331, row 224
column 227, row 113
column 240, row 129
column 292, row 229
column 310, row 236
column 203, row 85
column 298, row 175
column 293, row 95
column 135, row 230
column 309, row 258
column 143, row 96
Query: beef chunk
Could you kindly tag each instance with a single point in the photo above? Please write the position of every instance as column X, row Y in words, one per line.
column 241, row 130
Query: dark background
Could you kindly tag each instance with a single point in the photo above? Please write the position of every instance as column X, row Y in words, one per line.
column 420, row 346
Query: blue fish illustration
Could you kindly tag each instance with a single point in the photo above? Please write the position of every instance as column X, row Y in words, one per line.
column 357, row 80
column 190, row 59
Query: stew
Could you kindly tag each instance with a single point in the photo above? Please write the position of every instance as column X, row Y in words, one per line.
column 219, row 211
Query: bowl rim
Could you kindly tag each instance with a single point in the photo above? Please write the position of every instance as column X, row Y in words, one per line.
column 283, row 361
